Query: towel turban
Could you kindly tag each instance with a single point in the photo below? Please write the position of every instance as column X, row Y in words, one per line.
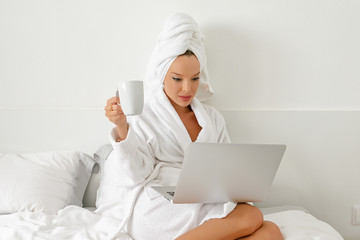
column 180, row 33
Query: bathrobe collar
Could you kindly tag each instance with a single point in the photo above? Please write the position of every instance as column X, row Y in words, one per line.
column 165, row 112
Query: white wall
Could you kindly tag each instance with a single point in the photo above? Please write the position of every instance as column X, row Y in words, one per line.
column 283, row 70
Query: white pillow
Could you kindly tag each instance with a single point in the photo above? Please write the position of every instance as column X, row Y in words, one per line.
column 45, row 182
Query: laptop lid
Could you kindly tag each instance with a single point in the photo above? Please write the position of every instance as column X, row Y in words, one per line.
column 222, row 172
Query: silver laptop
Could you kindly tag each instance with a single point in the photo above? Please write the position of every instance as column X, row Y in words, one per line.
column 223, row 172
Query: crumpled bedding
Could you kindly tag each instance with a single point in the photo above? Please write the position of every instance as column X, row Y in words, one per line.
column 74, row 222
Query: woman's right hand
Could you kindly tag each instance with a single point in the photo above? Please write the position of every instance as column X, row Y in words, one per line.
column 115, row 114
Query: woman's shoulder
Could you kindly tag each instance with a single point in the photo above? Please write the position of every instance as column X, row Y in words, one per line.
column 214, row 115
column 211, row 110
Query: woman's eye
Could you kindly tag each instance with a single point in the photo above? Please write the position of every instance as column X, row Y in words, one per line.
column 195, row 79
column 176, row 79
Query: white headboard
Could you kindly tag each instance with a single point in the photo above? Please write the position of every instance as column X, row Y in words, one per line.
column 41, row 129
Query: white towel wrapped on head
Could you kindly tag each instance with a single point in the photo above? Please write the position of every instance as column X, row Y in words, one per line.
column 180, row 33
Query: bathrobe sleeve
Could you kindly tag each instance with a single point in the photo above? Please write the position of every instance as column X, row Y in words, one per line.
column 132, row 160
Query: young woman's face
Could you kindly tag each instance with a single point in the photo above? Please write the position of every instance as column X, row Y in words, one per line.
column 182, row 80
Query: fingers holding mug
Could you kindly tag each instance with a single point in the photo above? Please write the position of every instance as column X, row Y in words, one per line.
column 114, row 112
column 129, row 101
column 111, row 101
column 117, row 109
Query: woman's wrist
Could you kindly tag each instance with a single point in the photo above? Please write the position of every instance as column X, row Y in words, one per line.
column 122, row 132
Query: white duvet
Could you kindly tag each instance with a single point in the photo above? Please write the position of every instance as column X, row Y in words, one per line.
column 74, row 222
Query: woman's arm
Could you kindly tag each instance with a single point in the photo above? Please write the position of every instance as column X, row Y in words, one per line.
column 115, row 114
column 132, row 159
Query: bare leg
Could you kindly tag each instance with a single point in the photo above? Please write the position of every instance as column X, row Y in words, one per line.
column 268, row 231
column 243, row 221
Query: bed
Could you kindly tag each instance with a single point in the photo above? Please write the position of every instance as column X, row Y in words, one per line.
column 52, row 195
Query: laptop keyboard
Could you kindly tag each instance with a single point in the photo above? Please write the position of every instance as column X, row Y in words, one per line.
column 171, row 193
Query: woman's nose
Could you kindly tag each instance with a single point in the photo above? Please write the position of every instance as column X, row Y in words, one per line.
column 186, row 86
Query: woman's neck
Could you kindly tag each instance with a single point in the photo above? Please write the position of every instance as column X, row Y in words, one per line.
column 180, row 109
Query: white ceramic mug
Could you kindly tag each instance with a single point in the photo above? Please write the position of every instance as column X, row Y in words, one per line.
column 131, row 95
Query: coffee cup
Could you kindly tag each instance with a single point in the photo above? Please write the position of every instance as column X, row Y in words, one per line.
column 131, row 95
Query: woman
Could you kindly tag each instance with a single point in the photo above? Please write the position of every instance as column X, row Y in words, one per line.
column 149, row 149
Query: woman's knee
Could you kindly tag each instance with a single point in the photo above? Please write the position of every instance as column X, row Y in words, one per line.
column 270, row 231
column 250, row 217
column 255, row 218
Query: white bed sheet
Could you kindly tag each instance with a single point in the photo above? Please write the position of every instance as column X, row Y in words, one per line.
column 299, row 225
column 75, row 222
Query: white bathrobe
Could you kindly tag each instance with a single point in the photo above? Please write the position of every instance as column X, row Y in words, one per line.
column 152, row 154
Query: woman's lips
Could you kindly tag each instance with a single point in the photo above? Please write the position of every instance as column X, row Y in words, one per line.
column 185, row 98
